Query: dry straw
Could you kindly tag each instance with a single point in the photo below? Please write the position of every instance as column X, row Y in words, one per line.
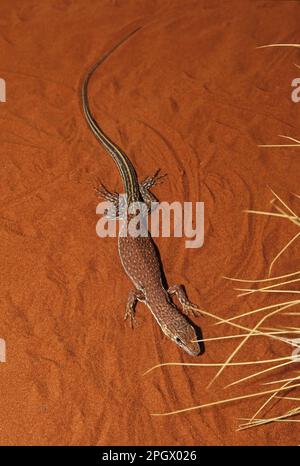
column 283, row 334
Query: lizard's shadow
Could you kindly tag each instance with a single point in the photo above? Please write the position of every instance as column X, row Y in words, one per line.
column 198, row 330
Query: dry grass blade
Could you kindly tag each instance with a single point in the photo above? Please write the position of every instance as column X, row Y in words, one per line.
column 292, row 361
column 282, row 251
column 293, row 217
column 271, row 397
column 280, row 381
column 278, row 145
column 241, row 335
column 263, row 279
column 237, row 349
column 254, row 311
column 217, row 364
column 290, row 138
column 278, row 45
column 282, row 418
column 295, row 220
column 250, row 291
column 228, row 400
column 288, row 398
column 269, row 214
column 283, row 145
column 281, row 200
column 242, row 327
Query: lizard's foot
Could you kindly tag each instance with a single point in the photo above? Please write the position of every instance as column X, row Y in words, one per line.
column 187, row 307
column 130, row 312
column 145, row 186
column 133, row 297
column 117, row 201
column 153, row 180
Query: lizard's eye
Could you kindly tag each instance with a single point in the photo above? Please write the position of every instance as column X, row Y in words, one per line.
column 179, row 341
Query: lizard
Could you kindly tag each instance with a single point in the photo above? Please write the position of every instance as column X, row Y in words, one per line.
column 138, row 254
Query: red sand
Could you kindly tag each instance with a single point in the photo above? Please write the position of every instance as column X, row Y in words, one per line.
column 192, row 95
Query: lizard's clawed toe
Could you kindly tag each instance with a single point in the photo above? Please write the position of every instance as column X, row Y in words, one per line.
column 132, row 320
column 192, row 309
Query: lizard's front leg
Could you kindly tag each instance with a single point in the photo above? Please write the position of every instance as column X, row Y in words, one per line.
column 133, row 297
column 187, row 306
column 145, row 187
column 117, row 201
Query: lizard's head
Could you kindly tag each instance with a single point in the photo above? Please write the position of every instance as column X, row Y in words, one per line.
column 182, row 332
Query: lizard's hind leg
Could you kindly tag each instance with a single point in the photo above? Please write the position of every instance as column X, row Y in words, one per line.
column 133, row 297
column 187, row 306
